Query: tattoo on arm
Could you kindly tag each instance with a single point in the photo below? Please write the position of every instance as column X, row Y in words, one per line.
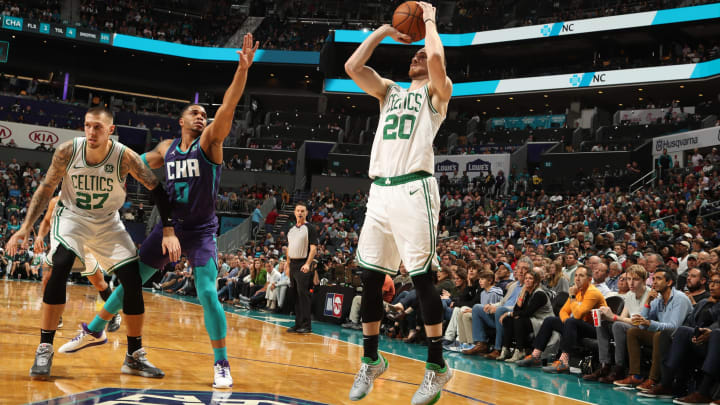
column 133, row 164
column 47, row 187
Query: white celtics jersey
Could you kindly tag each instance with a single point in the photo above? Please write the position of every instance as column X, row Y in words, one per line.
column 93, row 190
column 403, row 141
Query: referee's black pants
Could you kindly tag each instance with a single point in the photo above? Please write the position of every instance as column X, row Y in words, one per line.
column 301, row 283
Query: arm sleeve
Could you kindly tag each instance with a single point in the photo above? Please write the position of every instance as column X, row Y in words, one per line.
column 566, row 310
column 312, row 235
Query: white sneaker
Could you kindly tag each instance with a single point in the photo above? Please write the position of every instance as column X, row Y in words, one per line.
column 363, row 383
column 517, row 356
column 432, row 385
column 85, row 338
column 223, row 379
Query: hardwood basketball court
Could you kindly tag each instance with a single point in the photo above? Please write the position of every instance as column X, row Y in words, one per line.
column 264, row 359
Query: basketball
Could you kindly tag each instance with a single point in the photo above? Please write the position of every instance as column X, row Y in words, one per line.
column 408, row 19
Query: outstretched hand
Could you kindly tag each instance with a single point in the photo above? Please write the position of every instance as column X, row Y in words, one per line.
column 428, row 11
column 18, row 239
column 248, row 52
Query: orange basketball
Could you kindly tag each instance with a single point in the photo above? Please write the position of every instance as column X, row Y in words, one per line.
column 408, row 19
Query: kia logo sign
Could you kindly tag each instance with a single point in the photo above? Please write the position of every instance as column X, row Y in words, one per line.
column 43, row 137
column 5, row 132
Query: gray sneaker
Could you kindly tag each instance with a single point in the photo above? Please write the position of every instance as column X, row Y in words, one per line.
column 138, row 364
column 364, row 378
column 432, row 385
column 43, row 361
column 114, row 323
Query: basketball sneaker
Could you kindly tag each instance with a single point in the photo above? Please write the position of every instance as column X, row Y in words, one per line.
column 114, row 323
column 432, row 385
column 138, row 364
column 43, row 361
column 85, row 338
column 223, row 379
column 60, row 323
column 369, row 371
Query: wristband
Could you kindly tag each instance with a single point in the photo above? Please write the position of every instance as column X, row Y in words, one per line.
column 647, row 306
column 572, row 297
column 614, row 318
column 429, row 19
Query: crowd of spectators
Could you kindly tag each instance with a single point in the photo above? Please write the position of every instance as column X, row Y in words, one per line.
column 210, row 25
column 519, row 274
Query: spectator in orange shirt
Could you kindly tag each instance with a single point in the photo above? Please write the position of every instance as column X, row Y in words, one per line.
column 574, row 323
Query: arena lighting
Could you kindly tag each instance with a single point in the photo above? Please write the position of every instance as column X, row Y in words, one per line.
column 700, row 95
column 682, row 86
column 65, row 86
column 600, row 92
column 197, row 97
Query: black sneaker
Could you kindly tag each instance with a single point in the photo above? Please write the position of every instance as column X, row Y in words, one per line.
column 292, row 329
column 114, row 323
column 138, row 364
column 43, row 361
column 303, row 330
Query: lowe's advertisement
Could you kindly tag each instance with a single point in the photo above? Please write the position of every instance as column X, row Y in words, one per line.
column 474, row 165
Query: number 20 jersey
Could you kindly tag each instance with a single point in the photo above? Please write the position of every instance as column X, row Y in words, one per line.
column 93, row 190
column 192, row 183
column 403, row 141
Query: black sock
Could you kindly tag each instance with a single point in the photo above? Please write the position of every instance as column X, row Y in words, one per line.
column 370, row 344
column 134, row 343
column 47, row 336
column 435, row 351
column 105, row 294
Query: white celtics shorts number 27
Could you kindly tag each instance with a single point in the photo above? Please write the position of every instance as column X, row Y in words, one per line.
column 401, row 225
column 105, row 238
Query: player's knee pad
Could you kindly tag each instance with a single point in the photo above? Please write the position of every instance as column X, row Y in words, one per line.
column 428, row 298
column 129, row 276
column 371, row 307
column 63, row 260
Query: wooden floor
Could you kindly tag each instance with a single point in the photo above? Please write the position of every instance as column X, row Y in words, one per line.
column 263, row 358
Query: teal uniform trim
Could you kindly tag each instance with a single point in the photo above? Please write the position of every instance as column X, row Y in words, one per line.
column 144, row 159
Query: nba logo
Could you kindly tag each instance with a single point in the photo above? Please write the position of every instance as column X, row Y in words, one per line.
column 333, row 305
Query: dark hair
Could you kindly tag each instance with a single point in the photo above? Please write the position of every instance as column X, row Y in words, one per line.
column 301, row 203
column 188, row 106
column 670, row 275
column 488, row 275
column 101, row 110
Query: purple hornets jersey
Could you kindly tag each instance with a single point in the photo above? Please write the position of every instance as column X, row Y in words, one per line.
column 193, row 182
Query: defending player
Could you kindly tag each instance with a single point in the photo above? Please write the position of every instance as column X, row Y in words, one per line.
column 93, row 272
column 93, row 170
column 192, row 166
column 404, row 203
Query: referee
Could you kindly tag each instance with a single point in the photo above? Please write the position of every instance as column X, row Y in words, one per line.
column 302, row 246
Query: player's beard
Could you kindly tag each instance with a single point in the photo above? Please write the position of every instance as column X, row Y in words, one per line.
column 416, row 73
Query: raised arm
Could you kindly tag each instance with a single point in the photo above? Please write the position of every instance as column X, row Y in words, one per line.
column 41, row 197
column 364, row 76
column 214, row 135
column 440, row 86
